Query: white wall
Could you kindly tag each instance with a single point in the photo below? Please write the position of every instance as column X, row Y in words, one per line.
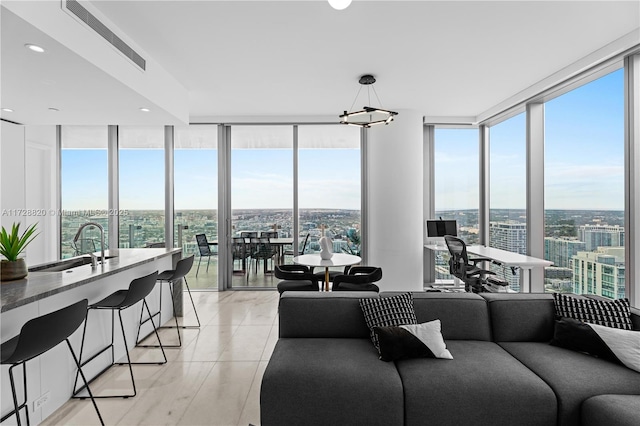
column 395, row 194
column 29, row 186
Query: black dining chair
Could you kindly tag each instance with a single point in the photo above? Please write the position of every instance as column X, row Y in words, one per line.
column 295, row 278
column 118, row 301
column 172, row 276
column 37, row 336
column 359, row 278
column 205, row 250
column 240, row 251
column 301, row 249
column 263, row 250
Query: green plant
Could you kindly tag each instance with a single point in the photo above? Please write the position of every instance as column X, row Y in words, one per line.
column 12, row 244
column 353, row 243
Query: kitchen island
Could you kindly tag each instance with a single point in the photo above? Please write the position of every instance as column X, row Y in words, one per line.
column 54, row 285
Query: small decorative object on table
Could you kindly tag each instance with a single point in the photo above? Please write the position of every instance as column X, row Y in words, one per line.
column 326, row 246
column 11, row 245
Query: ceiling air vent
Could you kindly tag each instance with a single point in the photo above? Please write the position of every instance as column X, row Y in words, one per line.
column 85, row 16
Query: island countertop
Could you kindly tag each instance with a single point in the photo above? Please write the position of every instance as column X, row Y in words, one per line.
column 41, row 283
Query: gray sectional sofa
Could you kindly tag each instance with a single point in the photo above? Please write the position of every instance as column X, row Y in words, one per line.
column 325, row 370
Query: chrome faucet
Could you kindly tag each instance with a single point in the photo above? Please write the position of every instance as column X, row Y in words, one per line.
column 75, row 239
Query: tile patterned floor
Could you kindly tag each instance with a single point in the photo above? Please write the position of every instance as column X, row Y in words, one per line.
column 214, row 379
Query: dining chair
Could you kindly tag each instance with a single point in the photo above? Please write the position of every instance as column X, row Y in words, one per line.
column 295, row 278
column 359, row 278
column 263, row 251
column 205, row 250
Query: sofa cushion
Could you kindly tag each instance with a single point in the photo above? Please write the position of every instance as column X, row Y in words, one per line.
column 321, row 314
column 610, row 313
column 612, row 344
column 521, row 317
column 482, row 385
column 411, row 341
column 325, row 381
column 611, row 410
column 464, row 316
column 573, row 376
column 389, row 311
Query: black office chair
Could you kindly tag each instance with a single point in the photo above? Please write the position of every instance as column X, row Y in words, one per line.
column 464, row 268
column 172, row 276
column 36, row 337
column 359, row 278
column 119, row 301
column 205, row 250
column 295, row 278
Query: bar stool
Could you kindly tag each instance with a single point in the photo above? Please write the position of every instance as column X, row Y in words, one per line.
column 119, row 301
column 36, row 337
column 172, row 276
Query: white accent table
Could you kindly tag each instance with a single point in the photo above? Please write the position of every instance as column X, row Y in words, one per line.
column 338, row 259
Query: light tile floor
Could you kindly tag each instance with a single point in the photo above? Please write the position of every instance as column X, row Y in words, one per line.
column 214, row 379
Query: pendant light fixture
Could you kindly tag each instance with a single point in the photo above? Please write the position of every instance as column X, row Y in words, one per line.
column 339, row 4
column 368, row 116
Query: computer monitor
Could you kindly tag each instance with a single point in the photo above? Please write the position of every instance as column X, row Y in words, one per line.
column 440, row 228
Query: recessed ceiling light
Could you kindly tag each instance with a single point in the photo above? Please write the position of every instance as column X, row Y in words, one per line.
column 34, row 47
column 53, row 109
column 7, row 109
column 145, row 109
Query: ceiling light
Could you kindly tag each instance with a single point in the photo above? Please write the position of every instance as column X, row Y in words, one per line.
column 145, row 109
column 368, row 116
column 339, row 4
column 53, row 109
column 34, row 47
column 7, row 109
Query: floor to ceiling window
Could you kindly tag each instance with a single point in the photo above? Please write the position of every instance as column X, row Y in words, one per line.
column 456, row 159
column 584, row 189
column 141, row 192
column 507, row 192
column 329, row 187
column 261, row 199
column 84, row 188
column 195, row 161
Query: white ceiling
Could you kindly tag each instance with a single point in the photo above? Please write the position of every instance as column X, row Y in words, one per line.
column 292, row 58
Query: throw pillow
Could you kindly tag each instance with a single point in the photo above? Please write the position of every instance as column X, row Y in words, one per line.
column 614, row 313
column 613, row 344
column 412, row 341
column 388, row 311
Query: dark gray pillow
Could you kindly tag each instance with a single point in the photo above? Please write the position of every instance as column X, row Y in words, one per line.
column 387, row 311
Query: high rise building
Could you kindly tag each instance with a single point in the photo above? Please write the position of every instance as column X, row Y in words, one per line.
column 561, row 250
column 510, row 236
column 600, row 272
column 595, row 236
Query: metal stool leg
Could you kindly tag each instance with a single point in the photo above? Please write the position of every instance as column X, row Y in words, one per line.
column 84, row 379
column 14, row 394
column 174, row 309
column 159, row 313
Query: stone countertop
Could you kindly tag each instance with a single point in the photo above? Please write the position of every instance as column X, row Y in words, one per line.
column 40, row 284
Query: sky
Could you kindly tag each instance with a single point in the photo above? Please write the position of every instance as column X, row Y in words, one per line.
column 584, row 139
column 584, row 158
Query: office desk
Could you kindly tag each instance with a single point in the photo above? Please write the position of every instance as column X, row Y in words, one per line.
column 506, row 258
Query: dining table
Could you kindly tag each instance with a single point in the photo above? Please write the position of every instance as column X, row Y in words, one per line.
column 337, row 259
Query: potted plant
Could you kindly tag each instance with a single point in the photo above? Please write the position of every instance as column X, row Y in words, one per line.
column 12, row 244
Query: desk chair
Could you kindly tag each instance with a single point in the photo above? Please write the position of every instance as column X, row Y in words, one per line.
column 359, row 278
column 170, row 277
column 464, row 268
column 205, row 251
column 36, row 337
column 120, row 300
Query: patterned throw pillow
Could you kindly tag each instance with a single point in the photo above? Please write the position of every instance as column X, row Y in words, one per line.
column 614, row 313
column 388, row 311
